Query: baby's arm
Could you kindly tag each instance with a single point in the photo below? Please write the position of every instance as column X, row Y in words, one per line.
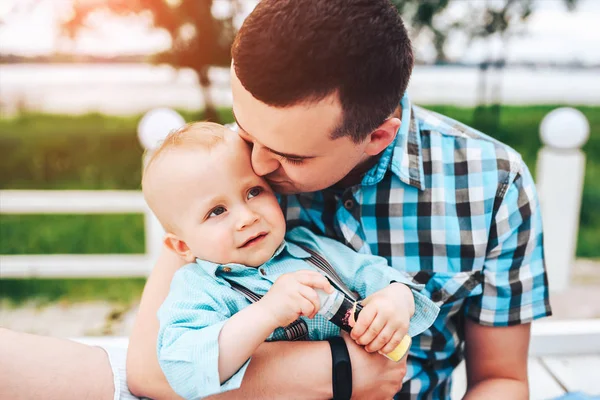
column 192, row 320
column 291, row 296
column 204, row 348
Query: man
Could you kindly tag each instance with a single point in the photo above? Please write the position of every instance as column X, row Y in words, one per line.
column 318, row 93
column 316, row 87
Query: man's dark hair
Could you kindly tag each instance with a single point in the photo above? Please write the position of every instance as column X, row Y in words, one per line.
column 290, row 52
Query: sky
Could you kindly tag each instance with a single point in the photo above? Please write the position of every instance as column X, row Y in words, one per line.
column 30, row 27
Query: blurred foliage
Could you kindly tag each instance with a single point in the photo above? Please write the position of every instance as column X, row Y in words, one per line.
column 14, row 292
column 199, row 38
column 92, row 151
column 40, row 151
column 72, row 234
column 480, row 19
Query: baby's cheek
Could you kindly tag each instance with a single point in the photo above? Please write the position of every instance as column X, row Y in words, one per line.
column 222, row 244
column 213, row 246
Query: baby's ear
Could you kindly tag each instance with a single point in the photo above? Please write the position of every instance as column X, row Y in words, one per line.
column 179, row 246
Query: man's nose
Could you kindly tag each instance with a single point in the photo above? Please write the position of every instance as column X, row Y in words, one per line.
column 246, row 217
column 263, row 161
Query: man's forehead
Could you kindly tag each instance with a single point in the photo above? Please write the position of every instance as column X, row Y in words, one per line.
column 290, row 129
column 293, row 137
column 249, row 137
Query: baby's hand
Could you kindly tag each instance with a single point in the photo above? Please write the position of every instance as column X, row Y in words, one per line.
column 293, row 294
column 384, row 319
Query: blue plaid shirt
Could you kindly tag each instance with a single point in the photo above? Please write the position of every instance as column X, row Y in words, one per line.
column 201, row 300
column 457, row 211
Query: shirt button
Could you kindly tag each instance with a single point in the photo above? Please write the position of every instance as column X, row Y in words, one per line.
column 226, row 269
column 348, row 204
column 262, row 271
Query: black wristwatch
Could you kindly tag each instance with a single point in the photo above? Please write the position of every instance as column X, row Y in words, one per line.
column 341, row 369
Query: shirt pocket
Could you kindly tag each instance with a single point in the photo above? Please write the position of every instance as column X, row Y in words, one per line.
column 450, row 288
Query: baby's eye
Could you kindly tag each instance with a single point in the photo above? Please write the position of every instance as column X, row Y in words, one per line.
column 255, row 191
column 217, row 211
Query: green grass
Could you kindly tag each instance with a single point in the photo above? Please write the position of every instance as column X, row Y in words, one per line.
column 41, row 151
column 72, row 234
column 14, row 292
column 93, row 151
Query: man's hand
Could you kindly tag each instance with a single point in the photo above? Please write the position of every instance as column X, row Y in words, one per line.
column 292, row 295
column 385, row 318
column 373, row 376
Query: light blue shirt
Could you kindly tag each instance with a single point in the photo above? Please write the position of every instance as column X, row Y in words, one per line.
column 201, row 300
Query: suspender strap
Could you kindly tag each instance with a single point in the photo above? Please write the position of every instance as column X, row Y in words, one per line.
column 297, row 330
column 323, row 265
column 247, row 293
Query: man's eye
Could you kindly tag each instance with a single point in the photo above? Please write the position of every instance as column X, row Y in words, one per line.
column 293, row 161
column 217, row 211
column 255, row 191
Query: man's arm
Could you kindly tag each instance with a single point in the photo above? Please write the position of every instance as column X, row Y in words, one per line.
column 277, row 370
column 497, row 361
column 144, row 376
column 515, row 292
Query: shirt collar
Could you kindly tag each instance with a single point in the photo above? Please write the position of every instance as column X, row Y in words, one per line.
column 292, row 249
column 403, row 156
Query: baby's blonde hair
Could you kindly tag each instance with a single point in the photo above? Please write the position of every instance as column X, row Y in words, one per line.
column 202, row 135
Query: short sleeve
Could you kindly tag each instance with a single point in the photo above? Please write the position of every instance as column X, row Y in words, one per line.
column 515, row 284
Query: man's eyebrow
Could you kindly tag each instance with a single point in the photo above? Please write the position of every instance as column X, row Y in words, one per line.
column 286, row 155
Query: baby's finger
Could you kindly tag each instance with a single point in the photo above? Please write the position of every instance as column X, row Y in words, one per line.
column 384, row 336
column 393, row 343
column 309, row 294
column 307, row 308
column 315, row 280
column 372, row 331
column 366, row 316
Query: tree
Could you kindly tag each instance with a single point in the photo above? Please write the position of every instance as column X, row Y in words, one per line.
column 199, row 39
column 490, row 20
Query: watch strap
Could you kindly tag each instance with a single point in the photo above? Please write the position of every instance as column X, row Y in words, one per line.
column 341, row 369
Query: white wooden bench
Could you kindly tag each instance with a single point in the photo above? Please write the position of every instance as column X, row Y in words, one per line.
column 564, row 357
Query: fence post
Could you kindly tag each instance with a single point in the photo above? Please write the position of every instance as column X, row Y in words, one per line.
column 154, row 126
column 560, row 172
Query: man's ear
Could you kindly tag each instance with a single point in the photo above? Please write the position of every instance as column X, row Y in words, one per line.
column 381, row 137
column 179, row 246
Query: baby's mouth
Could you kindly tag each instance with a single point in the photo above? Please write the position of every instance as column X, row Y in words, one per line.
column 254, row 240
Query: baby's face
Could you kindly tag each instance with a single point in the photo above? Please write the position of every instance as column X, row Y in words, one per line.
column 223, row 211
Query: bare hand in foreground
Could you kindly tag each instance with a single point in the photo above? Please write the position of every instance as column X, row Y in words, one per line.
column 373, row 376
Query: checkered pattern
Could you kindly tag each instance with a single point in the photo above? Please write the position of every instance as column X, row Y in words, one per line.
column 457, row 211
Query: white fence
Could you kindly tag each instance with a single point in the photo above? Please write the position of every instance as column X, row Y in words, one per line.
column 560, row 181
column 80, row 202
